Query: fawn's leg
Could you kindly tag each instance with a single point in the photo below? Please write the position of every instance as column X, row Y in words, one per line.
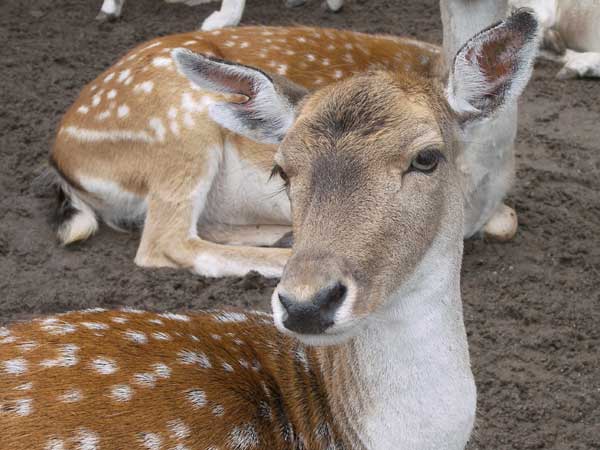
column 170, row 236
column 252, row 235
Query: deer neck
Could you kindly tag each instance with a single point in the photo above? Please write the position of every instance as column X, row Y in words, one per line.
column 405, row 381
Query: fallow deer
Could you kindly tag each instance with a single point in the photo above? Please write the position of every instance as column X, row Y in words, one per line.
column 571, row 35
column 369, row 349
column 141, row 145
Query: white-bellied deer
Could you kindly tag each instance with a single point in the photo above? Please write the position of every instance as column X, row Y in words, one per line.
column 368, row 350
column 571, row 36
column 229, row 15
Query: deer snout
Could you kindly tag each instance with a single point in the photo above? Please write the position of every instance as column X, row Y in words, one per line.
column 315, row 314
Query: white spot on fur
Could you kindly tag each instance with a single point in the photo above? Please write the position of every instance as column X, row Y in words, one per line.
column 146, row 87
column 301, row 39
column 27, row 346
column 159, row 129
column 161, row 61
column 71, row 396
column 151, row 441
column 130, row 310
column 227, row 367
column 155, row 44
column 54, row 444
column 174, row 127
column 23, row 407
column 311, row 57
column 88, row 440
column 338, row 74
column 228, row 317
column 218, row 410
column 109, row 77
column 67, row 357
column 161, row 370
column 188, row 357
column 179, row 430
column 24, row 387
column 177, row 317
column 244, row 45
column 172, row 113
column 229, row 44
column 122, row 111
column 104, row 366
column 83, row 109
column 147, row 380
column 95, row 325
column 188, row 120
column 196, row 397
column 88, row 135
column 128, row 81
column 119, row 320
column 192, row 42
column 103, row 115
column 282, row 69
column 159, row 336
column 136, row 336
column 121, row 392
column 17, row 366
column 96, row 100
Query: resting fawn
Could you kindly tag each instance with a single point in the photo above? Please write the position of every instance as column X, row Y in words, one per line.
column 368, row 348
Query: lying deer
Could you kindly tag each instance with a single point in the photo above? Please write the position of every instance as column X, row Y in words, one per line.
column 144, row 145
column 229, row 15
column 372, row 352
column 571, row 34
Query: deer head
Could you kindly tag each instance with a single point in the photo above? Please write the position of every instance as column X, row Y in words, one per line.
column 369, row 166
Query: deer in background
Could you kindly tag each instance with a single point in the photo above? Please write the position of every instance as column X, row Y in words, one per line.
column 229, row 15
column 571, row 34
column 369, row 349
column 144, row 145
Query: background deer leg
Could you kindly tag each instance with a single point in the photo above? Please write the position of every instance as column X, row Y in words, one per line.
column 110, row 10
column 169, row 239
column 252, row 235
column 229, row 15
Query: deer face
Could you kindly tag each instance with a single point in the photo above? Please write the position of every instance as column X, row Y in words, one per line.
column 369, row 168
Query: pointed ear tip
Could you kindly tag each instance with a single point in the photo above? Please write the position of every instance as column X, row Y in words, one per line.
column 525, row 20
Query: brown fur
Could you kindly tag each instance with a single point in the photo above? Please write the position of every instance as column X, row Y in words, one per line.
column 272, row 385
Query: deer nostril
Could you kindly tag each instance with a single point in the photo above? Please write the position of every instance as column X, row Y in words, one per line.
column 317, row 314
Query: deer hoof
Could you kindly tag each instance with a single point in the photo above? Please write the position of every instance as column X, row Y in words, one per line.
column 502, row 226
column 104, row 17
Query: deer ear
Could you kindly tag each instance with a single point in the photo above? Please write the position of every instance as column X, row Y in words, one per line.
column 269, row 108
column 492, row 69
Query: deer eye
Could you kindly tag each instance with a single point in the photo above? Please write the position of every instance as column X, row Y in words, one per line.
column 278, row 171
column 426, row 161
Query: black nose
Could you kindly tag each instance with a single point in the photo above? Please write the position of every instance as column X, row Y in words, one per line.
column 316, row 315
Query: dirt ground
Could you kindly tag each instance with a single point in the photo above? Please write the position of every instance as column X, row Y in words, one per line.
column 532, row 306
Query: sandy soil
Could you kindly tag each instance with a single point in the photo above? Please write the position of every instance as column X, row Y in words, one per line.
column 532, row 306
